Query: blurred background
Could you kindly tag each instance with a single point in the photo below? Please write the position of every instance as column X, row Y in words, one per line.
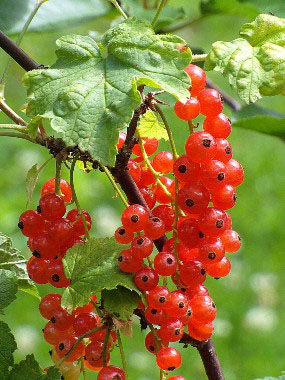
column 250, row 326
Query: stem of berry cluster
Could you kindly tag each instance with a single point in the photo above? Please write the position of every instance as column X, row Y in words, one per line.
column 118, row 7
column 105, row 346
column 58, row 163
column 159, row 10
column 115, row 186
column 122, row 353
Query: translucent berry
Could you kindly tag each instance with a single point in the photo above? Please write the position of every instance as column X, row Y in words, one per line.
column 111, row 373
column 37, row 270
column 56, row 276
column 213, row 222
column 154, row 228
column 193, row 198
column 135, row 218
column 200, row 331
column 200, row 147
column 154, row 316
column 210, row 102
column 161, row 197
column 123, row 236
column 166, row 214
column 171, row 330
column 61, row 231
column 142, row 246
column 193, row 273
column 219, row 269
column 211, row 251
column 48, row 304
column 85, row 322
column 165, row 264
column 31, row 223
column 150, row 146
column 225, row 198
column 65, row 344
column 231, row 241
column 151, row 344
column 146, row 278
column 198, row 290
column 65, row 189
column 177, row 304
column 62, row 320
column 52, row 334
column 168, row 359
column 224, row 151
column 163, row 162
column 203, row 309
column 128, row 262
column 157, row 298
column 218, row 126
column 214, row 175
column 185, row 170
column 198, row 79
column 187, row 111
column 235, row 173
column 45, row 247
column 149, row 196
column 77, row 222
column 52, row 206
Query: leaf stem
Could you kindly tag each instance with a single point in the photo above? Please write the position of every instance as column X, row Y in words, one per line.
column 58, row 163
column 15, row 127
column 80, row 338
column 167, row 127
column 74, row 197
column 11, row 113
column 82, row 369
column 18, row 135
column 105, row 346
column 123, row 357
column 118, row 7
column 199, row 57
column 115, row 186
column 159, row 10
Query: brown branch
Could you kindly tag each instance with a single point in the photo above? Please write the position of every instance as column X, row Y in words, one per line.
column 11, row 113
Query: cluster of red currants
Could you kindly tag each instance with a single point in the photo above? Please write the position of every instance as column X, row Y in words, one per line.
column 193, row 209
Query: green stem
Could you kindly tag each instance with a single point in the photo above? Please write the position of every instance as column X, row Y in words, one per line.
column 15, row 127
column 82, row 369
column 191, row 126
column 18, row 135
column 18, row 42
column 199, row 57
column 105, row 346
column 11, row 113
column 99, row 311
column 117, row 5
column 74, row 197
column 115, row 186
column 123, row 357
column 159, row 10
column 58, row 163
column 58, row 364
column 170, row 136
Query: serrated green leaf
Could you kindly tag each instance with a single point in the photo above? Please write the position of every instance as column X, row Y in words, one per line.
column 233, row 7
column 29, row 369
column 11, row 260
column 93, row 267
column 31, row 180
column 34, row 125
column 255, row 64
column 53, row 14
column 150, row 127
column 91, row 92
column 7, row 347
column 8, row 288
column 276, row 7
column 272, row 378
column 120, row 302
column 260, row 120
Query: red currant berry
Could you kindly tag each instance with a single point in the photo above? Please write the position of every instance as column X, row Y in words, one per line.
column 123, row 236
column 177, row 304
column 51, row 334
column 161, row 197
column 214, row 175
column 185, row 170
column 157, row 298
column 235, row 173
column 193, row 273
column 218, row 126
column 200, row 331
column 128, row 262
column 187, row 111
column 224, row 150
column 213, row 222
column 220, row 269
column 44, row 247
column 146, row 279
column 31, row 223
column 150, row 146
column 61, row 230
column 200, row 147
column 149, row 196
column 198, row 79
column 171, row 330
column 56, row 274
column 37, row 270
column 93, row 353
column 77, row 222
column 154, row 228
column 147, row 178
column 165, row 264
column 64, row 345
column 135, row 171
column 52, row 206
column 62, row 320
column 199, row 290
column 152, row 344
column 225, row 198
column 193, row 198
column 168, row 359
column 210, row 102
column 135, row 218
column 142, row 246
column 231, row 241
column 154, row 316
column 190, row 234
column 111, row 373
column 48, row 304
column 65, row 189
column 203, row 309
column 211, row 251
column 163, row 162
column 85, row 322
column 166, row 214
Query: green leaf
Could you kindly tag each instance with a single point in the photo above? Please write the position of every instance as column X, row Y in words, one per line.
column 11, row 260
column 273, row 378
column 29, row 369
column 8, row 288
column 34, row 125
column 260, row 120
column 7, row 347
column 254, row 64
column 91, row 92
column 168, row 16
column 150, row 127
column 51, row 16
column 233, row 7
column 120, row 302
column 92, row 267
column 277, row 7
column 31, row 180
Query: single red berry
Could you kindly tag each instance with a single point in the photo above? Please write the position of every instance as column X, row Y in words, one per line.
column 190, row 234
column 65, row 189
column 200, row 331
column 198, row 79
column 231, row 241
column 146, row 278
column 45, row 247
column 63, row 346
column 77, row 222
column 55, row 274
column 193, row 198
column 211, row 251
column 154, row 316
column 165, row 264
column 177, row 304
column 62, row 320
column 154, row 228
column 224, row 150
column 111, row 373
column 163, row 162
column 61, row 231
column 37, row 270
column 52, row 206
column 188, row 110
column 149, row 196
column 147, row 178
column 157, row 298
column 218, row 126
column 48, row 304
column 213, row 222
column 235, row 173
column 51, row 334
column 186, row 318
column 128, row 262
column 123, row 236
column 93, row 353
column 214, row 175
column 199, row 290
column 171, row 330
column 31, row 223
column 161, row 197
column 203, row 308
column 192, row 273
column 135, row 218
column 168, row 359
column 200, row 147
column 219, row 269
column 142, row 246
column 225, row 198
column 176, row 378
column 150, row 146
column 135, row 171
column 152, row 344
column 185, row 170
column 85, row 322
column 210, row 102
column 166, row 214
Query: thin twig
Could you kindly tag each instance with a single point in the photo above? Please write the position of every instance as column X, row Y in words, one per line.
column 11, row 113
column 118, row 7
column 167, row 127
column 105, row 346
column 58, row 163
column 199, row 57
column 18, row 135
column 123, row 358
column 159, row 10
column 115, row 186
column 15, row 127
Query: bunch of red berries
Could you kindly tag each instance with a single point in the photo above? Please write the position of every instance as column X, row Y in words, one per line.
column 193, row 209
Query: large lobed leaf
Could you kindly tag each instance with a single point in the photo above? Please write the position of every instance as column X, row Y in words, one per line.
column 93, row 267
column 91, row 92
column 7, row 347
column 8, row 288
column 254, row 64
column 29, row 369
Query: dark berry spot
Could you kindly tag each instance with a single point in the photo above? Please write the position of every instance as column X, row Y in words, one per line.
column 61, row 346
column 171, row 368
column 84, row 357
column 140, row 241
column 153, row 311
column 219, row 223
column 228, row 150
column 239, row 238
column 121, row 231
column 221, row 176
column 203, row 272
column 151, row 348
column 53, row 320
column 182, row 169
column 155, row 220
column 37, row 254
column 161, row 299
column 55, row 278
column 177, row 332
column 201, row 234
column 39, row 210
column 189, row 312
column 213, row 305
column 207, row 143
column 144, row 278
column 21, row 225
column 134, row 218
column 181, row 305
column 50, row 351
column 169, row 260
column 212, row 255
column 120, row 259
column 189, row 202
column 234, row 197
column 183, row 290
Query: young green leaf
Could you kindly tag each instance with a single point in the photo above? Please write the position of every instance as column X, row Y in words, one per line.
column 12, row 261
column 150, row 127
column 254, row 64
column 260, row 120
column 92, row 267
column 120, row 302
column 8, row 288
column 92, row 90
column 29, row 369
column 7, row 347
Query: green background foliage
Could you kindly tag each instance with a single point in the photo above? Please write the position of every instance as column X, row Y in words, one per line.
column 250, row 327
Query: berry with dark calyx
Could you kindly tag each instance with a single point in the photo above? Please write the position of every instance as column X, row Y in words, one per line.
column 177, row 304
column 101, row 335
column 93, row 353
column 37, row 270
column 193, row 198
column 62, row 320
column 166, row 214
column 135, row 218
column 65, row 189
column 56, row 276
column 198, row 79
column 185, row 170
column 152, row 344
column 231, row 241
column 161, row 197
column 188, row 110
column 111, row 373
column 150, row 146
column 171, row 330
column 52, row 206
column 142, row 246
column 219, row 269
column 225, row 197
column 192, row 273
column 128, row 262
column 163, row 162
column 157, row 298
column 149, row 196
column 154, row 228
column 199, row 290
column 135, row 171
column 224, row 151
column 154, row 316
column 235, row 173
column 186, row 318
column 214, row 175
column 61, row 231
column 85, row 322
column 200, row 147
column 211, row 251
column 165, row 264
column 213, row 222
column 123, row 236
column 210, row 102
column 48, row 304
column 200, row 331
column 52, row 334
column 146, row 279
column 64, row 345
column 203, row 309
column 218, row 126
column 77, row 222
column 31, row 223
column 45, row 247
column 168, row 359
column 189, row 233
